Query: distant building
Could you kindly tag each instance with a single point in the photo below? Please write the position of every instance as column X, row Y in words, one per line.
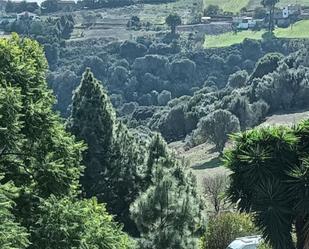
column 291, row 10
column 244, row 22
column 26, row 14
column 287, row 15
column 206, row 19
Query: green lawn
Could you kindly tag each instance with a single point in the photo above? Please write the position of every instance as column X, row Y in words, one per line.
column 298, row 30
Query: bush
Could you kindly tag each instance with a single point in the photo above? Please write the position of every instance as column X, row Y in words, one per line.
column 183, row 69
column 225, row 228
column 212, row 10
column 238, row 79
column 216, row 127
column 132, row 50
column 164, row 97
column 66, row 223
column 267, row 64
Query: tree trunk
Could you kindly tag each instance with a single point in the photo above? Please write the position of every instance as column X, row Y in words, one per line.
column 270, row 19
column 173, row 30
column 302, row 239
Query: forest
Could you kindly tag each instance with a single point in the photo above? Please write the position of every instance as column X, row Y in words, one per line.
column 89, row 129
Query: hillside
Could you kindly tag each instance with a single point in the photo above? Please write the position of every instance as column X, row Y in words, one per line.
column 112, row 23
column 236, row 5
column 203, row 160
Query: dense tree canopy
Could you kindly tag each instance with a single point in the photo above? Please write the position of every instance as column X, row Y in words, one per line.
column 40, row 163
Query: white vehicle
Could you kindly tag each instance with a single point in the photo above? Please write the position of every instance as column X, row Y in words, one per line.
column 249, row 242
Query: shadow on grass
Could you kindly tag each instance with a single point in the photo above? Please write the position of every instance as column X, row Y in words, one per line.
column 213, row 163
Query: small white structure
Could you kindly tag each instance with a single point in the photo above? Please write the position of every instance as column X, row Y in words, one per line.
column 245, row 22
column 206, row 19
column 249, row 242
column 27, row 14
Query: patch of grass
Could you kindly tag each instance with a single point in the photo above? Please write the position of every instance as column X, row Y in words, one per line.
column 228, row 5
column 297, row 30
column 230, row 38
column 212, row 163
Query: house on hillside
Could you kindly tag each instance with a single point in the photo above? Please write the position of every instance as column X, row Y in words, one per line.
column 244, row 22
column 287, row 15
column 291, row 10
column 27, row 15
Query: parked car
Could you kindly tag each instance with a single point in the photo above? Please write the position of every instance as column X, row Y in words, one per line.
column 249, row 242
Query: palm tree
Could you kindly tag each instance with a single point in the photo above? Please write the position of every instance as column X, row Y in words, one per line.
column 173, row 20
column 270, row 5
column 270, row 178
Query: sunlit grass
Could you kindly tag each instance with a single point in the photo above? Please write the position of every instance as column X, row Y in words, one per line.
column 298, row 30
column 228, row 5
column 230, row 38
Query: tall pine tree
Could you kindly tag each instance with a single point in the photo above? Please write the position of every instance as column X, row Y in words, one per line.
column 113, row 160
column 169, row 213
column 92, row 120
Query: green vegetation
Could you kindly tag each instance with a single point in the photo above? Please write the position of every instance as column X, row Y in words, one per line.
column 173, row 20
column 255, row 3
column 296, row 31
column 269, row 178
column 224, row 228
column 215, row 128
column 102, row 176
column 231, row 38
column 236, row 6
column 168, row 214
column 228, row 5
column 40, row 164
column 112, row 153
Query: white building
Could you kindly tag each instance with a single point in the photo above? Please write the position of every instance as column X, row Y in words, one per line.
column 289, row 10
column 244, row 22
column 27, row 14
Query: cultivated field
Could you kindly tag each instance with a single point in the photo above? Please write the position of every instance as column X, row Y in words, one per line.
column 111, row 22
column 297, row 30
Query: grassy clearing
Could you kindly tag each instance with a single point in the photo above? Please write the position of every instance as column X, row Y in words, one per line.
column 298, row 30
column 203, row 160
column 230, row 38
column 228, row 5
